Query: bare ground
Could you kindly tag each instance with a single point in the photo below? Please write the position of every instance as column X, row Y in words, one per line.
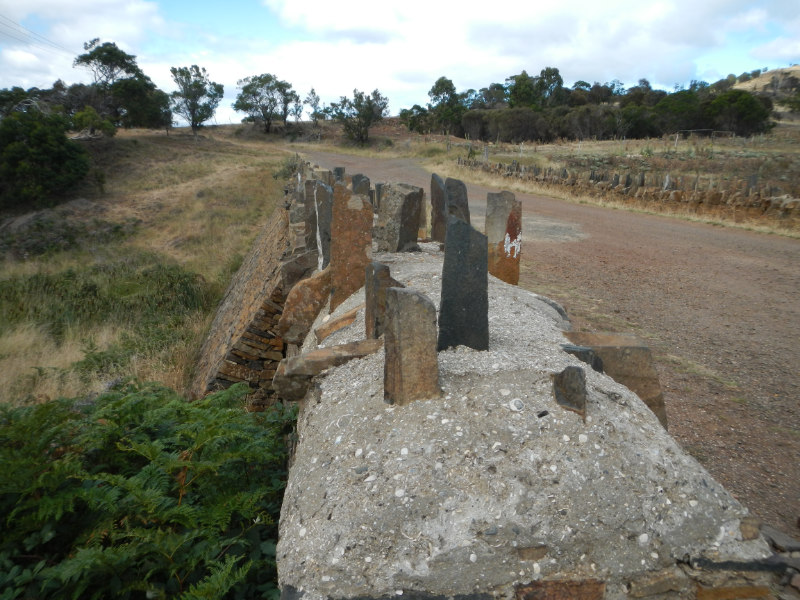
column 718, row 306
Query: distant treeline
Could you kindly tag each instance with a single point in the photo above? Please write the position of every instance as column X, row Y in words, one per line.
column 540, row 108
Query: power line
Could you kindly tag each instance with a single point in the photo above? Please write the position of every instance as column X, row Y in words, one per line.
column 12, row 30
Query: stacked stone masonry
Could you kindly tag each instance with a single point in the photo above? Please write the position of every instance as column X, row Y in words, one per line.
column 736, row 199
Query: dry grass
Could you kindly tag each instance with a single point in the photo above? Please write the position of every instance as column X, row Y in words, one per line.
column 197, row 204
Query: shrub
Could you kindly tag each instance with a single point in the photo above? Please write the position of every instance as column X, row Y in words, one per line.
column 37, row 161
column 139, row 493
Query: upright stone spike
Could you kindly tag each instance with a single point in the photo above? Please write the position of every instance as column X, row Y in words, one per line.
column 464, row 307
column 351, row 243
column 323, row 207
column 377, row 281
column 438, row 209
column 310, row 214
column 360, row 184
column 457, row 202
column 411, row 368
column 504, row 234
column 398, row 218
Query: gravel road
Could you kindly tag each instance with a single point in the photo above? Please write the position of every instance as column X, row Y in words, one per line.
column 718, row 306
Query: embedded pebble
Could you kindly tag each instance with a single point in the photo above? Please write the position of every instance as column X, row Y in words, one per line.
column 516, row 405
column 505, row 392
column 643, row 539
column 473, row 557
column 399, row 492
column 583, row 438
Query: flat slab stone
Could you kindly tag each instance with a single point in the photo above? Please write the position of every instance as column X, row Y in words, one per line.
column 333, row 325
column 315, row 362
column 351, row 243
column 464, row 306
column 628, row 360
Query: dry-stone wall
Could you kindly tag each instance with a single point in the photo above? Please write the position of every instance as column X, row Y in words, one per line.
column 736, row 199
column 509, row 469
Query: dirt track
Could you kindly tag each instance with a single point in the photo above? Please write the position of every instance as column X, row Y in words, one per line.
column 718, row 306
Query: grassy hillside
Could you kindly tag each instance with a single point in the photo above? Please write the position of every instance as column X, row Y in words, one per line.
column 123, row 279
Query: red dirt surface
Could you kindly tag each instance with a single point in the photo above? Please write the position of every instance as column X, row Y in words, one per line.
column 718, row 306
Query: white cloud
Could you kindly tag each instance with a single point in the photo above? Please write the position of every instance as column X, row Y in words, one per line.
column 402, row 47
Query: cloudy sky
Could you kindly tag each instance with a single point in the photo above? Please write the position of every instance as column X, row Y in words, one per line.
column 401, row 46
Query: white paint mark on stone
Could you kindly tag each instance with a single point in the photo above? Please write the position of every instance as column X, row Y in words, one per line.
column 512, row 247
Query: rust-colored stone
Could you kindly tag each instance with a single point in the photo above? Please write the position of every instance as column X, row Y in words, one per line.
column 589, row 589
column 744, row 592
column 303, row 304
column 334, row 325
column 351, row 243
column 238, row 372
column 411, row 367
column 660, row 582
column 314, row 362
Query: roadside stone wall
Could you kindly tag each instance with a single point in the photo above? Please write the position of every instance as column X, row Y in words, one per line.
column 518, row 472
column 244, row 343
column 739, row 200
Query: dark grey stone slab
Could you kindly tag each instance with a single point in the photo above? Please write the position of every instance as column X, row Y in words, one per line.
column 569, row 389
column 310, row 214
column 457, row 202
column 360, row 184
column 376, row 281
column 438, row 209
column 464, row 307
column 585, row 354
column 398, row 218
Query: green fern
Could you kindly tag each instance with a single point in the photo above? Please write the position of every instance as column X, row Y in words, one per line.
column 139, row 492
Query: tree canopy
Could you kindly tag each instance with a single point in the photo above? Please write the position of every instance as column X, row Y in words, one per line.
column 358, row 114
column 197, row 97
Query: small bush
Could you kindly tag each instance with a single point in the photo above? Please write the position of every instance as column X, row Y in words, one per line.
column 140, row 494
column 37, row 161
